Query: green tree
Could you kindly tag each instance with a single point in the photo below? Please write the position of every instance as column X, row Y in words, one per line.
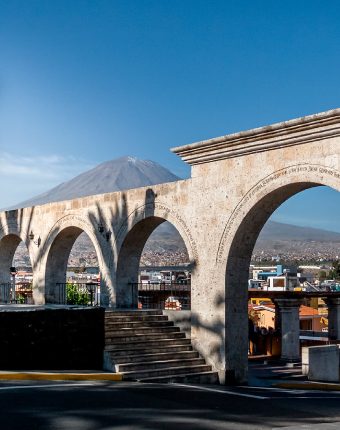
column 322, row 275
column 20, row 299
column 334, row 273
column 76, row 297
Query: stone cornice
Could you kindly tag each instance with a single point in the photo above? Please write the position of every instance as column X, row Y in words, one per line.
column 294, row 132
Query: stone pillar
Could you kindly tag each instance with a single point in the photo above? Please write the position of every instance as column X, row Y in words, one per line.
column 333, row 305
column 277, row 317
column 290, row 328
column 208, row 328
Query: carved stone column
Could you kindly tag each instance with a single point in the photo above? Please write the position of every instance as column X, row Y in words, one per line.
column 333, row 317
column 290, row 328
column 277, row 317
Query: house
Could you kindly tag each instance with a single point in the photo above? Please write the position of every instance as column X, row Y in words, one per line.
column 264, row 316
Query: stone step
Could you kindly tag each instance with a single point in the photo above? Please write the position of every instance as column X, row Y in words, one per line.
column 169, row 371
column 116, row 353
column 162, row 364
column 141, row 330
column 137, row 345
column 136, row 324
column 162, row 356
column 136, row 312
column 187, row 378
column 143, row 337
column 134, row 318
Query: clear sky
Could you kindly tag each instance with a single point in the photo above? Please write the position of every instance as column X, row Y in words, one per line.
column 83, row 82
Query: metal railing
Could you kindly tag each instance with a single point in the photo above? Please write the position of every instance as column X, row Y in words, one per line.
column 5, row 292
column 169, row 296
column 71, row 293
column 23, row 293
column 60, row 293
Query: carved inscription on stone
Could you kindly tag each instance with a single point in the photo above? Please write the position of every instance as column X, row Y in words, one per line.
column 253, row 194
column 65, row 220
column 151, row 207
column 68, row 218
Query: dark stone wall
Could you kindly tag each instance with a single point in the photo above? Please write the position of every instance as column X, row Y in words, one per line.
column 52, row 339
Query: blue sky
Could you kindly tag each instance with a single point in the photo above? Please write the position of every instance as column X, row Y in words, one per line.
column 83, row 82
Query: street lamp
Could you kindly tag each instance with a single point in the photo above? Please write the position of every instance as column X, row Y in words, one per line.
column 91, row 288
column 13, row 272
column 101, row 230
column 36, row 242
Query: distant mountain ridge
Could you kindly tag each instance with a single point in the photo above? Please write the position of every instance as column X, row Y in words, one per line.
column 274, row 230
column 274, row 234
column 120, row 174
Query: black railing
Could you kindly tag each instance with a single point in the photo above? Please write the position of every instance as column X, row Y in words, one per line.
column 84, row 294
column 168, row 296
column 60, row 293
column 5, row 292
column 23, row 293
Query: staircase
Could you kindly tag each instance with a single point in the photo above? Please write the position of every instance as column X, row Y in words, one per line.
column 144, row 346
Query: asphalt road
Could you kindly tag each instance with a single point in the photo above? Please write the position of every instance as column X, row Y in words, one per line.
column 130, row 406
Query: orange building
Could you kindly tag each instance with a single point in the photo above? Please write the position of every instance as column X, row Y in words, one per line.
column 264, row 316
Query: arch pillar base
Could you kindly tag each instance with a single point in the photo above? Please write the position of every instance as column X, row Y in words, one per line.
column 105, row 300
column 219, row 321
column 38, row 288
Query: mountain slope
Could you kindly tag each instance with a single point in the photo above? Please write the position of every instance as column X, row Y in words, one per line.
column 273, row 235
column 279, row 231
column 123, row 173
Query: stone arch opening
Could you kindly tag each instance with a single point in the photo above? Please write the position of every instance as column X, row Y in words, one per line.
column 129, row 258
column 57, row 262
column 83, row 254
column 22, row 257
column 8, row 247
column 245, row 235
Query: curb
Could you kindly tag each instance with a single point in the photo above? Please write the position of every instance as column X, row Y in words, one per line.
column 38, row 376
column 308, row 386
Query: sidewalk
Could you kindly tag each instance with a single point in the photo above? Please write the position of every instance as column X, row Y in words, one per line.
column 54, row 375
column 266, row 371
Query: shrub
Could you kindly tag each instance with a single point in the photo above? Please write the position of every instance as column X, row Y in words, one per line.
column 76, row 297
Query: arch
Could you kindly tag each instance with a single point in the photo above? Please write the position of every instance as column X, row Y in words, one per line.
column 138, row 228
column 57, row 249
column 165, row 212
column 10, row 238
column 238, row 240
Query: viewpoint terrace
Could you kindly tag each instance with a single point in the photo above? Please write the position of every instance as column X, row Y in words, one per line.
column 237, row 182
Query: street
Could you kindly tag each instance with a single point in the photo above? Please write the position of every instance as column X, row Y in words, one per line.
column 130, row 406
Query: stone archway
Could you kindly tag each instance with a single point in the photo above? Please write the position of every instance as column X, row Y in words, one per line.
column 10, row 238
column 138, row 228
column 8, row 246
column 237, row 243
column 57, row 249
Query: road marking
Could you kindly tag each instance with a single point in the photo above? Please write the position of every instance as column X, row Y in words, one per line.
column 45, row 386
column 221, row 391
column 281, row 390
column 306, row 397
